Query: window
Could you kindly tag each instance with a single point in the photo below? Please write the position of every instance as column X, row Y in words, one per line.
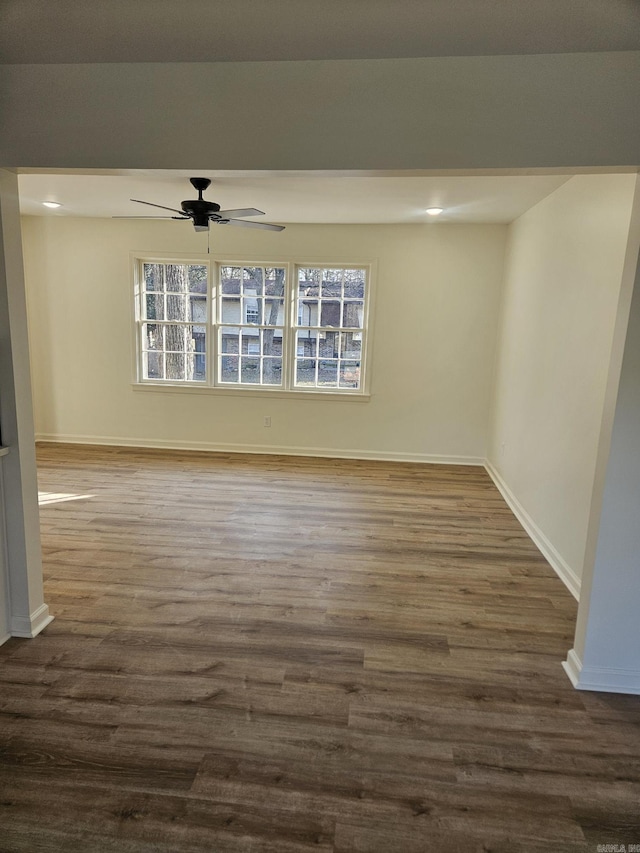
column 330, row 329
column 253, row 326
column 174, row 322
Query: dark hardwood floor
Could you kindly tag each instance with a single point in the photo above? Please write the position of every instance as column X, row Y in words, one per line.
column 261, row 654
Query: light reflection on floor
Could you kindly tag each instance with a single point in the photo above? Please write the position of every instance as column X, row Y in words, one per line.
column 45, row 498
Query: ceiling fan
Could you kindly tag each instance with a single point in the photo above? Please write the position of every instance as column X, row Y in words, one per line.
column 202, row 212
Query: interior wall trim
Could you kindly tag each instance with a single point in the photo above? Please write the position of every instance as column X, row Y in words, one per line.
column 601, row 679
column 30, row 626
column 573, row 666
column 276, row 450
column 560, row 566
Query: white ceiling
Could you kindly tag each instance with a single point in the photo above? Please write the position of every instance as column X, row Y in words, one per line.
column 77, row 31
column 295, row 197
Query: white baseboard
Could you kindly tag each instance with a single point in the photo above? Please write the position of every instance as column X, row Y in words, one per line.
column 4, row 638
column 600, row 679
column 273, row 449
column 30, row 626
column 555, row 560
column 573, row 666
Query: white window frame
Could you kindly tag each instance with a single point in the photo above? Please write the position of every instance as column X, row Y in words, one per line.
column 319, row 331
column 212, row 384
column 141, row 320
column 250, row 327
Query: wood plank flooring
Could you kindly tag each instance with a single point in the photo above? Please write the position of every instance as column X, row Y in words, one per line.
column 258, row 654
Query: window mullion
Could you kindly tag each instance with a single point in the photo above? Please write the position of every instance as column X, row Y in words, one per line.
column 141, row 362
column 289, row 331
column 212, row 322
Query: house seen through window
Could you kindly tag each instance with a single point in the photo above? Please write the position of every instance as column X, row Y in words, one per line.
column 289, row 327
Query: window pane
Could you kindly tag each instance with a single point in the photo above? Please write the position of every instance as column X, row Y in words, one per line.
column 307, row 342
column 251, row 342
column 252, row 281
column 305, row 371
column 307, row 312
column 330, row 313
column 176, row 307
column 153, row 278
column 175, row 365
column 349, row 374
column 353, row 315
column 185, row 348
column 354, row 284
column 230, row 280
column 176, row 278
column 229, row 368
column 332, row 283
column 153, row 337
column 230, row 311
column 197, row 278
column 198, row 308
column 252, row 308
column 154, row 306
column 195, row 337
column 273, row 312
column 327, row 373
column 274, row 282
column 351, row 345
column 197, row 367
column 328, row 344
column 272, row 341
column 174, row 338
column 154, row 365
column 250, row 370
column 229, row 341
column 272, row 371
column 309, row 281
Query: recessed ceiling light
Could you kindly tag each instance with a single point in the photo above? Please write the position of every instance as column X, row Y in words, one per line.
column 52, row 204
column 434, row 211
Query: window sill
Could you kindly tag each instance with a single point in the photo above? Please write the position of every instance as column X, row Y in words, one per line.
column 293, row 394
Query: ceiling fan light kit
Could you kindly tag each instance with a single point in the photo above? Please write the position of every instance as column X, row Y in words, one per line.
column 202, row 212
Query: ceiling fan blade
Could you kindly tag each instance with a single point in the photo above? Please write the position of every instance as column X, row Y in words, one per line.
column 179, row 218
column 243, row 224
column 161, row 206
column 241, row 211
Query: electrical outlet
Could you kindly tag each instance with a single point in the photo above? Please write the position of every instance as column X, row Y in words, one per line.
column 267, row 421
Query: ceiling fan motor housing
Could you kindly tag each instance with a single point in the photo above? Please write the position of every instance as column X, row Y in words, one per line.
column 199, row 209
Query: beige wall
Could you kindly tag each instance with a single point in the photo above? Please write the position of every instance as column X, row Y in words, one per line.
column 563, row 272
column 437, row 299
